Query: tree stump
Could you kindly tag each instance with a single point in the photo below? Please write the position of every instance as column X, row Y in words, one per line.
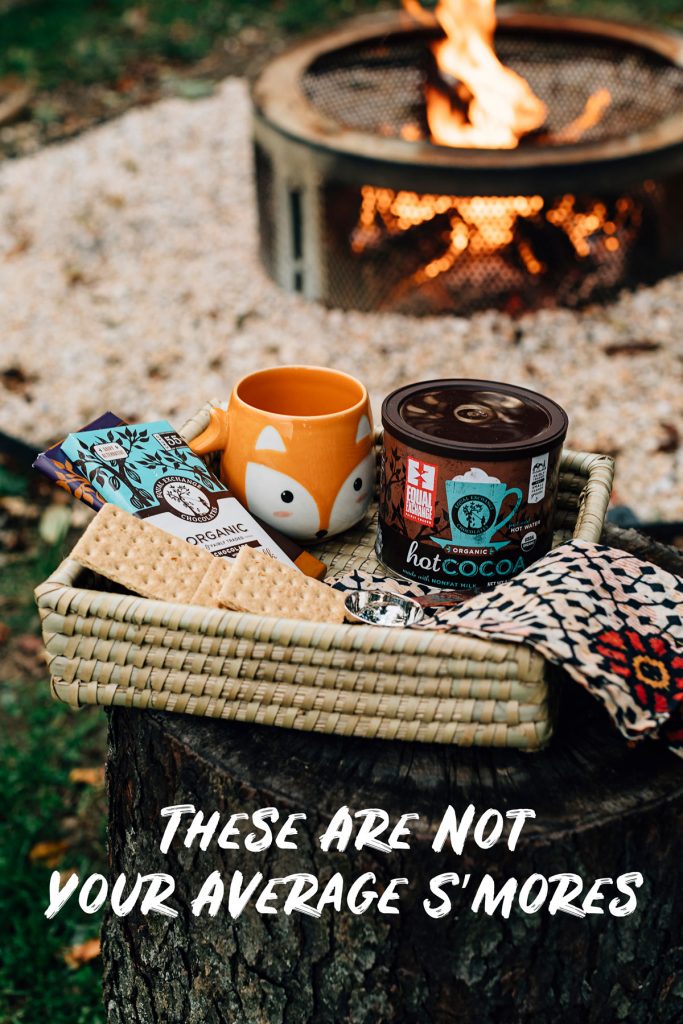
column 602, row 809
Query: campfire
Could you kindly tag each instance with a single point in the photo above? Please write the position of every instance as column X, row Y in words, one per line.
column 441, row 162
column 481, row 104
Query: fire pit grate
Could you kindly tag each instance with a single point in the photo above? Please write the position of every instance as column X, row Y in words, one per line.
column 538, row 266
column 378, row 87
column 360, row 210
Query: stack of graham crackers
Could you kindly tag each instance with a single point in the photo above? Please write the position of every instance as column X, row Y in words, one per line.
column 155, row 564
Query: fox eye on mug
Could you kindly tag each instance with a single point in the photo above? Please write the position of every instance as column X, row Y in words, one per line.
column 287, row 496
column 357, row 483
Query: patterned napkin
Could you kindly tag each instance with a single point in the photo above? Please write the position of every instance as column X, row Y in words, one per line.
column 614, row 623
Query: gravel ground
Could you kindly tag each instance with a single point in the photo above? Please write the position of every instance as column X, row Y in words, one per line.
column 129, row 280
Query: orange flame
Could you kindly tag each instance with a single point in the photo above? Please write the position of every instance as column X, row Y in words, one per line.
column 492, row 106
column 595, row 107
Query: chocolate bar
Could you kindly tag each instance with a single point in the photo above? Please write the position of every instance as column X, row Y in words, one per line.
column 149, row 470
column 55, row 464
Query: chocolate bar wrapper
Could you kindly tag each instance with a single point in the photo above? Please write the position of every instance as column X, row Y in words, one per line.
column 55, row 464
column 149, row 470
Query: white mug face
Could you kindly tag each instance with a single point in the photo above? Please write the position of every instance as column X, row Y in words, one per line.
column 353, row 496
column 281, row 501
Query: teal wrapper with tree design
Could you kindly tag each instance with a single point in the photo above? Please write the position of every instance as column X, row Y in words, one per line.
column 149, row 470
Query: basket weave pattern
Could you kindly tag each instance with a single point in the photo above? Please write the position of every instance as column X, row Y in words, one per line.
column 117, row 649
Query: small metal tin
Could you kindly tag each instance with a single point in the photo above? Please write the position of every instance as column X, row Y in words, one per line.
column 375, row 608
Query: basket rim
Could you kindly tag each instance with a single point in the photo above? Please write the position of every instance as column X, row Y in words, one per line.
column 57, row 594
column 59, row 591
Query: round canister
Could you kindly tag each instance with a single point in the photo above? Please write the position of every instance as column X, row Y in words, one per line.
column 468, row 481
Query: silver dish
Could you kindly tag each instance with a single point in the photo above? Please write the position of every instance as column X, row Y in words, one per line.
column 374, row 608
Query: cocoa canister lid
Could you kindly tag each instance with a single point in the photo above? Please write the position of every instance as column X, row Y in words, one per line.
column 468, row 418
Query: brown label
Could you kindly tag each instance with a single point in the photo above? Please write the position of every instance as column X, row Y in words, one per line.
column 464, row 525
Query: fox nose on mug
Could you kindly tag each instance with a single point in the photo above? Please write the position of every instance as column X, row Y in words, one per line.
column 320, row 534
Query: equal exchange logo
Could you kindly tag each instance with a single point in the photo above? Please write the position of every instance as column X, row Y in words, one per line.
column 419, row 500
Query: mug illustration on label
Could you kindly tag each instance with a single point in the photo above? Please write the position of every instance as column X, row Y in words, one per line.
column 474, row 504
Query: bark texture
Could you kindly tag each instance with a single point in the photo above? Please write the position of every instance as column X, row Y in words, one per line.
column 602, row 809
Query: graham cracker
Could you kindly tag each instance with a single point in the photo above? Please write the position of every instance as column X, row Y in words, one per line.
column 264, row 586
column 145, row 559
column 207, row 592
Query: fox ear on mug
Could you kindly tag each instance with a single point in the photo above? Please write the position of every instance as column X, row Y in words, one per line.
column 363, row 428
column 270, row 440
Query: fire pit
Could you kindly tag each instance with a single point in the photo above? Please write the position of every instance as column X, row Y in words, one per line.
column 382, row 185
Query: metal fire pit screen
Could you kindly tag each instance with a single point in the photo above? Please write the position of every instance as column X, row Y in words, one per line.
column 360, row 210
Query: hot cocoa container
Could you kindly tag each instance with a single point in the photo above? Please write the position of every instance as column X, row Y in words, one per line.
column 468, row 481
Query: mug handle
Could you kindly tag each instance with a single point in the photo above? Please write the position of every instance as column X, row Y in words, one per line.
column 215, row 437
column 508, row 517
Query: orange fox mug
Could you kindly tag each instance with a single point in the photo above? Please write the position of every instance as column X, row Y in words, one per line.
column 297, row 445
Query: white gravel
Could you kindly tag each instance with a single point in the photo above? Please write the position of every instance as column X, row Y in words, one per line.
column 129, row 280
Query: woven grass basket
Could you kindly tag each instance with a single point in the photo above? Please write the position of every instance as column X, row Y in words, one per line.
column 116, row 649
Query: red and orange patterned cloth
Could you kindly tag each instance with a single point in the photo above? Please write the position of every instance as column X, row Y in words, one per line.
column 613, row 622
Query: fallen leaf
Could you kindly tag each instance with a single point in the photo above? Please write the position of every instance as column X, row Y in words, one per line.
column 13, row 105
column 89, row 776
column 29, row 643
column 46, row 113
column 54, row 524
column 83, row 953
column 49, row 853
column 631, row 348
column 75, row 275
column 22, row 243
column 15, row 380
column 5, row 633
column 115, row 200
column 11, row 540
column 192, row 88
column 19, row 508
column 671, row 438
column 135, row 18
column 125, row 83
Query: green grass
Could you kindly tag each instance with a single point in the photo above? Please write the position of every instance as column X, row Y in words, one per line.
column 646, row 11
column 42, row 741
column 85, row 42
column 96, row 41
